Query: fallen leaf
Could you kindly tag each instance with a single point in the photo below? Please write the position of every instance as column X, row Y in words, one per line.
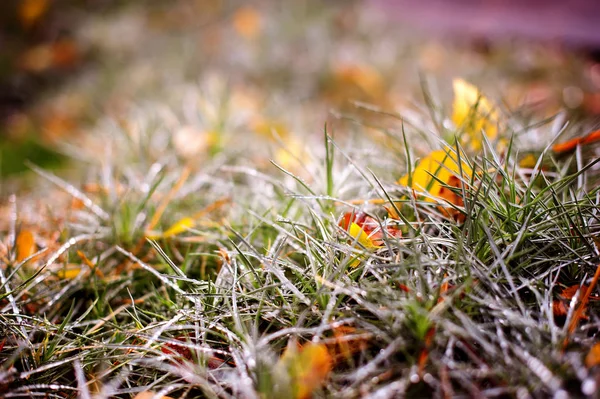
column 308, row 366
column 442, row 164
column 366, row 230
column 25, row 245
column 346, row 342
column 181, row 226
column 580, row 310
column 572, row 144
column 69, row 272
column 593, row 357
column 473, row 113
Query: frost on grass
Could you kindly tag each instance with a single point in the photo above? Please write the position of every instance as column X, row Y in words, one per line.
column 217, row 244
column 239, row 280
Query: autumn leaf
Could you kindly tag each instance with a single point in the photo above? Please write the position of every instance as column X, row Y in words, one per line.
column 560, row 307
column 366, row 230
column 308, row 367
column 25, row 245
column 180, row 226
column 580, row 310
column 572, row 144
column 442, row 164
column 593, row 357
column 473, row 113
column 69, row 272
column 346, row 341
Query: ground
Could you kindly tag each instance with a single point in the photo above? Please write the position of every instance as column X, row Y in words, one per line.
column 300, row 200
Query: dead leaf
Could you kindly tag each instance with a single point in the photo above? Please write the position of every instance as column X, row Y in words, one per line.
column 438, row 174
column 367, row 230
column 25, row 245
column 580, row 310
column 308, row 366
column 593, row 357
column 572, row 144
column 473, row 113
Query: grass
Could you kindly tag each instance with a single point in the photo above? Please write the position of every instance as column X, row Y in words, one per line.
column 450, row 308
column 226, row 273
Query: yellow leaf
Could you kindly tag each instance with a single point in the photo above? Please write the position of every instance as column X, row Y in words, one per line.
column 181, row 226
column 25, row 245
column 473, row 113
column 69, row 273
column 361, row 237
column 593, row 357
column 442, row 164
column 308, row 367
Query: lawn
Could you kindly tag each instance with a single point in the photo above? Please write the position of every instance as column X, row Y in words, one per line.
column 301, row 201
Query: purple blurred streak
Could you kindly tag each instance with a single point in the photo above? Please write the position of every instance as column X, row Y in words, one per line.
column 572, row 22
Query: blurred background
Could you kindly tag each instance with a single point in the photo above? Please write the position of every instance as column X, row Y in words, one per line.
column 286, row 66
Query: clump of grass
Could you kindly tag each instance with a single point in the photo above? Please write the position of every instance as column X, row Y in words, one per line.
column 450, row 308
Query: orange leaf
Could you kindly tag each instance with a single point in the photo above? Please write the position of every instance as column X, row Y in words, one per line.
column 580, row 311
column 346, row 342
column 570, row 145
column 366, row 229
column 593, row 357
column 308, row 367
column 30, row 11
column 25, row 245
column 438, row 173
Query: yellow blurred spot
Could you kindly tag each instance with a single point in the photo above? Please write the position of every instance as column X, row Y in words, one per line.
column 291, row 156
column 270, row 128
column 177, row 228
column 528, row 162
column 444, row 166
column 473, row 113
column 30, row 11
column 247, row 22
column 308, row 367
column 25, row 245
